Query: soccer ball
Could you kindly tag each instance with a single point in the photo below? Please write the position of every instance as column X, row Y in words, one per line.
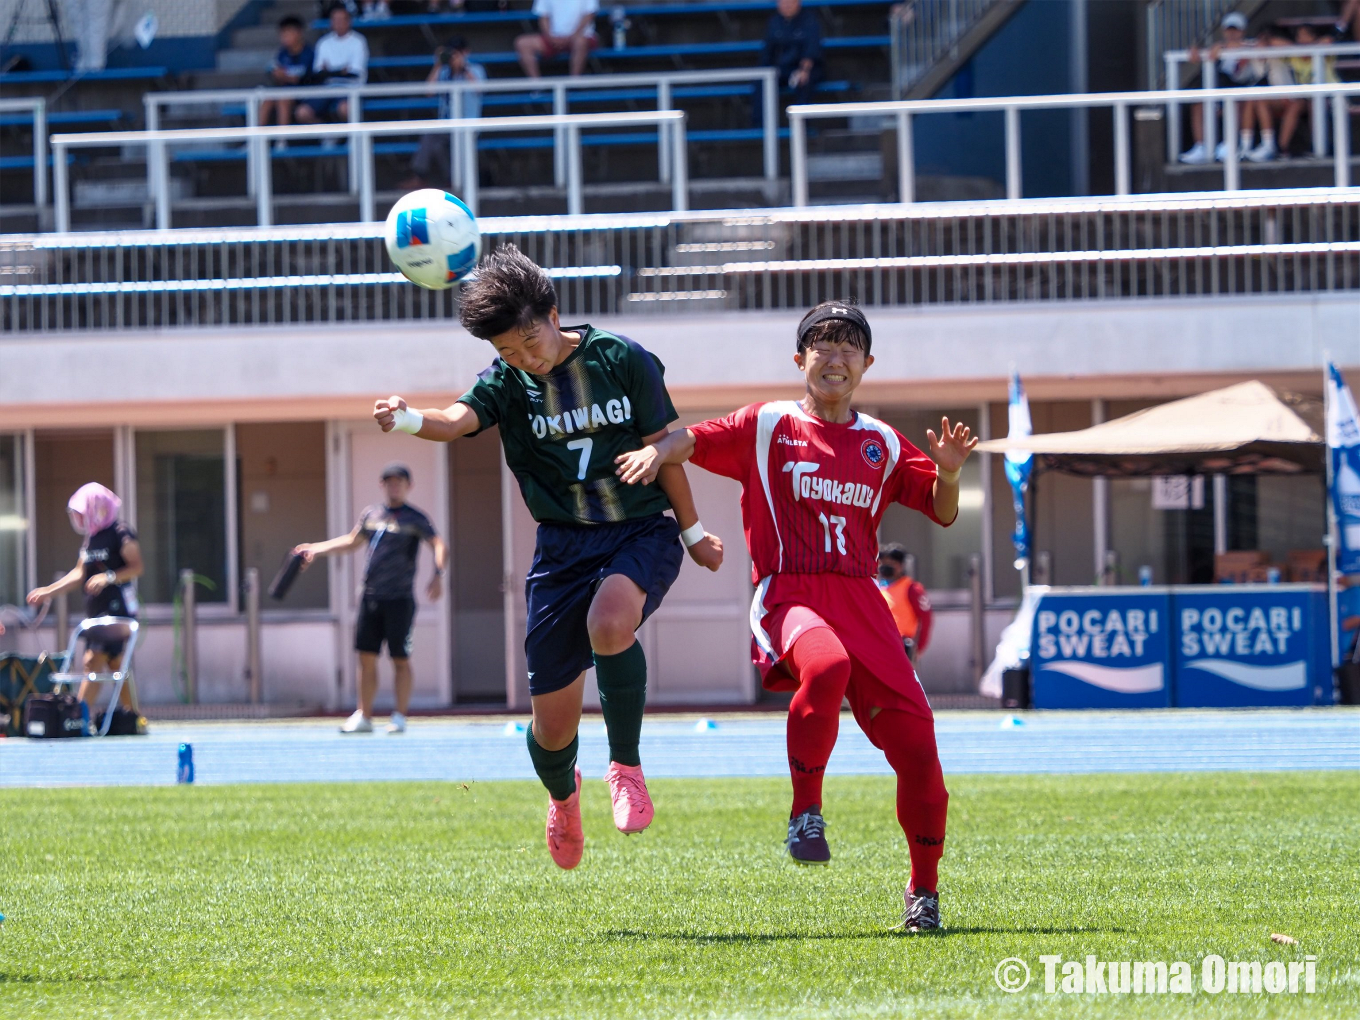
column 432, row 238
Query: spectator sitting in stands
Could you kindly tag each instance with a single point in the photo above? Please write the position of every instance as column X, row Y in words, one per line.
column 793, row 43
column 292, row 66
column 1281, row 72
column 341, row 59
column 431, row 161
column 376, row 10
column 564, row 26
column 1235, row 73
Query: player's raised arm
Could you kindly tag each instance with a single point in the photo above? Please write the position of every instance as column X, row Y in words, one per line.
column 704, row 549
column 949, row 450
column 641, row 466
column 453, row 422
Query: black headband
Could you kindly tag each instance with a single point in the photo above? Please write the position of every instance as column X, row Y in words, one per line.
column 828, row 312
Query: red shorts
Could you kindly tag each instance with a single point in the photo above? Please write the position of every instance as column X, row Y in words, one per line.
column 881, row 675
column 552, row 49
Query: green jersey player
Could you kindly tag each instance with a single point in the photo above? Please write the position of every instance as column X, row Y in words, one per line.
column 568, row 400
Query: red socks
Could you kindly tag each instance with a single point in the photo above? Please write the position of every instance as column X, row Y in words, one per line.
column 922, row 801
column 819, row 663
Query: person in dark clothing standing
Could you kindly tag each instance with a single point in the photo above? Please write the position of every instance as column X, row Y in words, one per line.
column 392, row 532
column 106, row 571
column 793, row 43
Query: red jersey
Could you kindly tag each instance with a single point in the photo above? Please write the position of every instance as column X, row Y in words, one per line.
column 813, row 492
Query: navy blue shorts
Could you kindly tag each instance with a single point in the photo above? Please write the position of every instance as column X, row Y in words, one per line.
column 570, row 561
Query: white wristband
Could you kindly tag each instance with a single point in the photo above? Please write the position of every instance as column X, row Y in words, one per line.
column 952, row 477
column 693, row 535
column 407, row 420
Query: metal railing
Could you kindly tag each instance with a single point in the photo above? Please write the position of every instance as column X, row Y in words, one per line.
column 561, row 90
column 1209, row 80
column 903, row 112
column 38, row 108
column 158, row 144
column 1174, row 24
column 924, row 32
column 985, row 252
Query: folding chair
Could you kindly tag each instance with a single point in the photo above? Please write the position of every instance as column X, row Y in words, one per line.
column 120, row 626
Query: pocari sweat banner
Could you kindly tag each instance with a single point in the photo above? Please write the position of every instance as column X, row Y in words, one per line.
column 1094, row 649
column 1343, row 446
column 1251, row 645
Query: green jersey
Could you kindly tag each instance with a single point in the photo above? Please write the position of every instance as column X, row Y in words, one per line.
column 562, row 431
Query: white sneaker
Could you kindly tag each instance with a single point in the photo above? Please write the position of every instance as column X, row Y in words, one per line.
column 1263, row 153
column 397, row 723
column 1197, row 154
column 357, row 723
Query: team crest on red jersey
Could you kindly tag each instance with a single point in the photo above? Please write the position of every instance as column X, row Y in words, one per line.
column 873, row 452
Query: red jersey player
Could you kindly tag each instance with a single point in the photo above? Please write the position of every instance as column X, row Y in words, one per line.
column 816, row 477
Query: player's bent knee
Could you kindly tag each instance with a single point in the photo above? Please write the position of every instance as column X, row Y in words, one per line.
column 610, row 632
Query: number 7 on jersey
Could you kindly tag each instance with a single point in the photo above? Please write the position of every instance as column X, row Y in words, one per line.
column 584, row 446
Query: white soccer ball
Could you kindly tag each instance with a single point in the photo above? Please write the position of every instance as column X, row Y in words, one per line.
column 432, row 237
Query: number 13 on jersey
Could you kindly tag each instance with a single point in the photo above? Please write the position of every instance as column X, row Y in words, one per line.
column 839, row 524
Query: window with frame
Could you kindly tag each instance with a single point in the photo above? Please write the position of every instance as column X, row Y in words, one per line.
column 182, row 511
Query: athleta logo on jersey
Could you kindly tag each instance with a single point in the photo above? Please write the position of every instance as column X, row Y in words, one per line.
column 582, row 419
column 808, row 485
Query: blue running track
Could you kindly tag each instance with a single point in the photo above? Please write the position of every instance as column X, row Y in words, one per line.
column 314, row 751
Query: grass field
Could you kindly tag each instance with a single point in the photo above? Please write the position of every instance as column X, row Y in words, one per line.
column 414, row 900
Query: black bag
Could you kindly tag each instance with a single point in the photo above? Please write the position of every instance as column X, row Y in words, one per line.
column 21, row 677
column 126, row 723
column 1015, row 691
column 1348, row 682
column 53, row 715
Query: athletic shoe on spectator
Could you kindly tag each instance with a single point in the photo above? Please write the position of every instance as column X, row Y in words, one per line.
column 1196, row 154
column 1263, row 153
column 357, row 723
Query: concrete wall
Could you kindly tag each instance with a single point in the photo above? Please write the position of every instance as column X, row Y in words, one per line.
column 925, row 356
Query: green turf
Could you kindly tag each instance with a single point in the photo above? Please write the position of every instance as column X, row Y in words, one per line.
column 411, row 900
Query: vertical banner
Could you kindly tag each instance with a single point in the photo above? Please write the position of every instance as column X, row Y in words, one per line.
column 1343, row 450
column 1018, row 467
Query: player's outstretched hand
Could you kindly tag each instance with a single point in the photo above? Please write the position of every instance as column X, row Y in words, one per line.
column 640, row 466
column 306, row 552
column 384, row 411
column 707, row 552
column 952, row 446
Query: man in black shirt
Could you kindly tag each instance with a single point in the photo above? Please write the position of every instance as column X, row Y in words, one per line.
column 793, row 43
column 392, row 532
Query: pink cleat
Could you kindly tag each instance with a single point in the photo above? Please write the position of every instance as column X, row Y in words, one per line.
column 563, row 831
column 633, row 809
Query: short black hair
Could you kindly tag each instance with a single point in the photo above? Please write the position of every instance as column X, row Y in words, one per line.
column 834, row 322
column 458, row 44
column 290, row 21
column 339, row 5
column 509, row 291
column 894, row 552
column 396, row 470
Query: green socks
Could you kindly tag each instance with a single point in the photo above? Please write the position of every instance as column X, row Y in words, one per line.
column 557, row 769
column 622, row 680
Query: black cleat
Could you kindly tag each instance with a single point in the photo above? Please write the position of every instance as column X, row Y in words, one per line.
column 807, row 837
column 922, row 912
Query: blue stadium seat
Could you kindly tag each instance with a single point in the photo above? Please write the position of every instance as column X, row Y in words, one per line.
column 745, row 46
column 100, row 117
column 632, row 11
column 108, row 74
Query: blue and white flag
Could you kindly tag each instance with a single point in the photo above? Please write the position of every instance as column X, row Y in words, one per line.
column 1343, row 446
column 1018, row 467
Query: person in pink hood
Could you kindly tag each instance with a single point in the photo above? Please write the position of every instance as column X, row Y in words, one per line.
column 106, row 571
